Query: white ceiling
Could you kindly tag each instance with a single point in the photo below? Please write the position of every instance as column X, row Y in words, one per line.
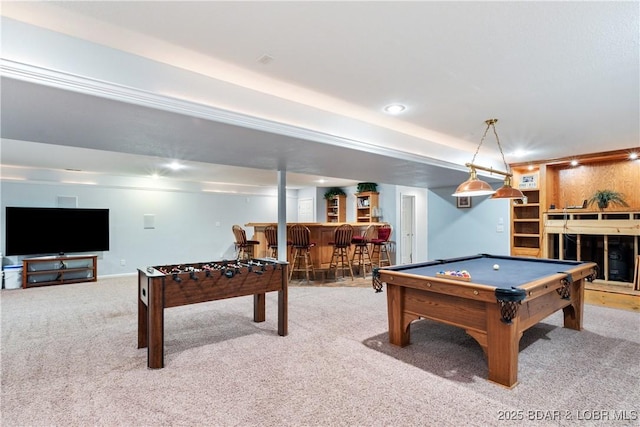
column 562, row 77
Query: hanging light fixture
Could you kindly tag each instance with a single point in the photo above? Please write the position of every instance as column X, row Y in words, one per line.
column 476, row 187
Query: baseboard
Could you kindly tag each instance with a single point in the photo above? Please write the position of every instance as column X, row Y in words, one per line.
column 110, row 276
column 613, row 297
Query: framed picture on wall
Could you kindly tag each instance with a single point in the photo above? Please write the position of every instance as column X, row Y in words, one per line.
column 528, row 181
column 463, row 202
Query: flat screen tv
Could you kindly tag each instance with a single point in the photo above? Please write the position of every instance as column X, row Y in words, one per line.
column 46, row 231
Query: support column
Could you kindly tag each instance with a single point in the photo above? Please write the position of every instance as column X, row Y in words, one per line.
column 282, row 215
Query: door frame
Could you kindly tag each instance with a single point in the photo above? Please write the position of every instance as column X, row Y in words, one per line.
column 407, row 230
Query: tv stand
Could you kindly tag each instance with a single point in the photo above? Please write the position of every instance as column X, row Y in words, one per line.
column 59, row 270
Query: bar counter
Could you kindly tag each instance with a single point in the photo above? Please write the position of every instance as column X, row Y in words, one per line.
column 321, row 233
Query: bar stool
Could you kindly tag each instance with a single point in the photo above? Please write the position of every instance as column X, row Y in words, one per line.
column 244, row 247
column 300, row 237
column 380, row 250
column 361, row 254
column 341, row 244
column 271, row 234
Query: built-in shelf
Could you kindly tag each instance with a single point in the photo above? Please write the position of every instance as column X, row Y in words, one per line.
column 337, row 209
column 570, row 229
column 526, row 238
column 610, row 239
column 367, row 207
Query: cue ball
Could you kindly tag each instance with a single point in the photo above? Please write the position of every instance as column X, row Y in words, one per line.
column 496, row 267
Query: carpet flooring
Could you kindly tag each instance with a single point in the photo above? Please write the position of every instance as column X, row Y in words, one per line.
column 69, row 357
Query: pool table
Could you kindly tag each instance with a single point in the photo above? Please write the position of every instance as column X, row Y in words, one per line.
column 494, row 305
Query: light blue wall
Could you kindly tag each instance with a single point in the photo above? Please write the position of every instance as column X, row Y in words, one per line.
column 189, row 226
column 192, row 226
column 454, row 232
column 387, row 203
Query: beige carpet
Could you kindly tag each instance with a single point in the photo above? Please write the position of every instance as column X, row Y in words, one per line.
column 69, row 358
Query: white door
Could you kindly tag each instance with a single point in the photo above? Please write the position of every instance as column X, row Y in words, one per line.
column 407, row 228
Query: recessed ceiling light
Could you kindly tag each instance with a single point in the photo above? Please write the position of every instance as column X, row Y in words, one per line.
column 175, row 166
column 395, row 108
column 633, row 156
column 574, row 163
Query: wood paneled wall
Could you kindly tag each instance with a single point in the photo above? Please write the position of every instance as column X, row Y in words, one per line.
column 569, row 185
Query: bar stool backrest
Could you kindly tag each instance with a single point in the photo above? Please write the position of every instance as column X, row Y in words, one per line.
column 300, row 235
column 369, row 232
column 240, row 235
column 271, row 234
column 343, row 235
column 384, row 232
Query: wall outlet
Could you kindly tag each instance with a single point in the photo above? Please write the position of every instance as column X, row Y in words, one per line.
column 123, row 262
column 500, row 229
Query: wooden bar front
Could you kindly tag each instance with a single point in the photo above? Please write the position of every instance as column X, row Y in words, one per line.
column 321, row 233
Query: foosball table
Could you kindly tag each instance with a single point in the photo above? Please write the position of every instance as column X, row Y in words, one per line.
column 167, row 286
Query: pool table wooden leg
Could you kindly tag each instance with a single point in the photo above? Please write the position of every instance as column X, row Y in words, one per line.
column 502, row 347
column 573, row 312
column 399, row 322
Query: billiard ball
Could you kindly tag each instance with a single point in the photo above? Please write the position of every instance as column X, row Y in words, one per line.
column 496, row 267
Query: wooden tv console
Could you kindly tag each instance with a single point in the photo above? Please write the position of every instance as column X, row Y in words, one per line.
column 59, row 270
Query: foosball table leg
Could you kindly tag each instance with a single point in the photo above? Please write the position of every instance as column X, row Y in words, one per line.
column 155, row 326
column 259, row 308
